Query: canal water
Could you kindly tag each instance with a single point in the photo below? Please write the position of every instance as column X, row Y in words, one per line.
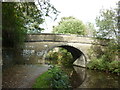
column 84, row 78
column 79, row 77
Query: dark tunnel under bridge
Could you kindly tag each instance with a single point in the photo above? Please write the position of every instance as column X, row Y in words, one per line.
column 79, row 58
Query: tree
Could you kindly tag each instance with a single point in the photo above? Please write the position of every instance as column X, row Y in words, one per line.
column 19, row 18
column 106, row 58
column 118, row 21
column 107, row 28
column 107, row 24
column 90, row 29
column 12, row 25
column 70, row 25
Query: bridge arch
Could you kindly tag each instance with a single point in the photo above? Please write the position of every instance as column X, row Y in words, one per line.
column 44, row 42
column 75, row 52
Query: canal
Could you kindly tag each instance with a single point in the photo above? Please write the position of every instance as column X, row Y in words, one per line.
column 84, row 78
column 79, row 77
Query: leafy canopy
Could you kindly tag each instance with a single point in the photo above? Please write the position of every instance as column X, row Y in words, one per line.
column 19, row 18
column 107, row 24
column 108, row 28
column 70, row 25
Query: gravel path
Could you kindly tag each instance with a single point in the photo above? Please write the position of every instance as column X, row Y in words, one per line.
column 22, row 76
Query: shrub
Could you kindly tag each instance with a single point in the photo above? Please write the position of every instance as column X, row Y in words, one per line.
column 58, row 78
column 99, row 64
column 53, row 78
column 92, row 64
column 114, row 66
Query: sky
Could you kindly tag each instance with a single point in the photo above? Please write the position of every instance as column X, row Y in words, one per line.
column 84, row 10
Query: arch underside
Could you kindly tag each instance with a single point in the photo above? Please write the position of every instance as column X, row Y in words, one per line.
column 76, row 53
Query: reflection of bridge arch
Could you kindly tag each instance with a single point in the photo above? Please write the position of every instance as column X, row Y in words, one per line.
column 75, row 52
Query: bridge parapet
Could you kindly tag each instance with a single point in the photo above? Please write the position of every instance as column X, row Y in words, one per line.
column 57, row 38
column 43, row 37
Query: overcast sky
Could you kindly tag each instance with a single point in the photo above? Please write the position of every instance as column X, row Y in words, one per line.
column 85, row 10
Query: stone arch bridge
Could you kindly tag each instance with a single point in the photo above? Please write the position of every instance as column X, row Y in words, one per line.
column 78, row 46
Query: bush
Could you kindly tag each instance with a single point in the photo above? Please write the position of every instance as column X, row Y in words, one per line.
column 96, row 64
column 92, row 64
column 53, row 78
column 101, row 64
column 114, row 66
column 58, row 78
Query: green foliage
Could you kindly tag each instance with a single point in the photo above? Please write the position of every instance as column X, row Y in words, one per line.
column 58, row 78
column 108, row 27
column 19, row 18
column 53, row 78
column 42, row 82
column 62, row 57
column 106, row 58
column 65, row 57
column 118, row 20
column 112, row 51
column 101, row 64
column 70, row 25
column 48, row 9
column 52, row 57
column 12, row 27
column 107, row 24
column 32, row 16
column 114, row 66
column 109, row 52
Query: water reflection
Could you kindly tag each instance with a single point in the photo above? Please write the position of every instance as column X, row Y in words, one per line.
column 84, row 78
column 76, row 75
column 97, row 79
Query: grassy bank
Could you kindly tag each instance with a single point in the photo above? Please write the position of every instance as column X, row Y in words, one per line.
column 42, row 82
column 53, row 78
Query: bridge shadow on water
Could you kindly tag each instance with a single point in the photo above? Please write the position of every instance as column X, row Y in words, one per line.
column 76, row 75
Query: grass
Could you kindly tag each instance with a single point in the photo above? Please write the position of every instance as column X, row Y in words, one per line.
column 42, row 82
